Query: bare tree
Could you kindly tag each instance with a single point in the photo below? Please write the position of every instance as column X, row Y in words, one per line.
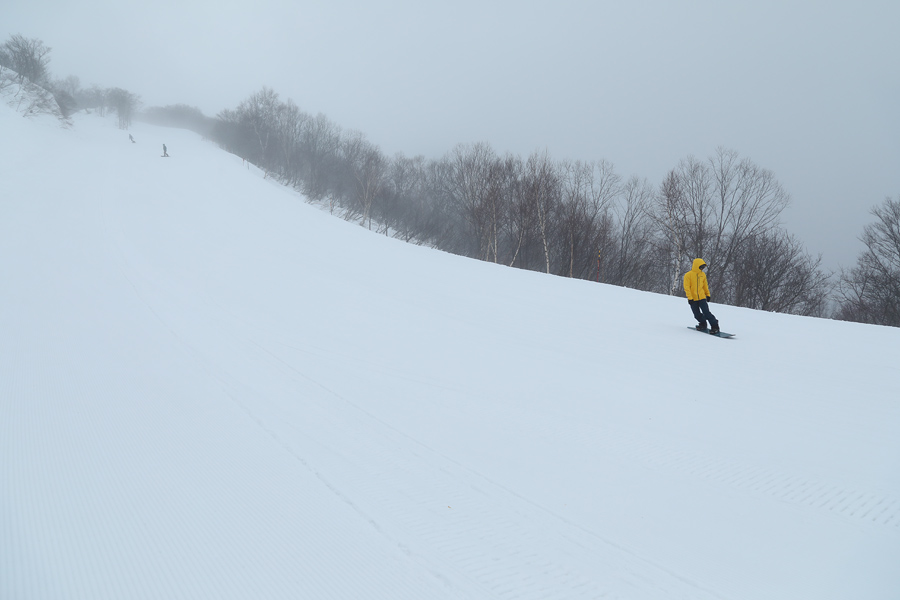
column 712, row 209
column 319, row 145
column 93, row 98
column 671, row 222
column 468, row 191
column 70, row 85
column 504, row 179
column 748, row 203
column 260, row 114
column 28, row 57
column 588, row 189
column 125, row 103
column 632, row 264
column 773, row 272
column 407, row 207
column 65, row 91
column 870, row 291
column 542, row 190
column 369, row 169
column 521, row 223
column 450, row 229
column 290, row 123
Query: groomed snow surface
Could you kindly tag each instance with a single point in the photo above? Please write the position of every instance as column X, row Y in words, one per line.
column 212, row 389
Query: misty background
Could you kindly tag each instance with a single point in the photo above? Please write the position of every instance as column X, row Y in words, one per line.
column 806, row 89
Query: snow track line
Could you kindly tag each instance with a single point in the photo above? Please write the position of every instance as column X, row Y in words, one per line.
column 454, row 501
column 841, row 501
column 128, row 490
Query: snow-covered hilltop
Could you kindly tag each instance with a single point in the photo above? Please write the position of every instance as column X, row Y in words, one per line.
column 210, row 389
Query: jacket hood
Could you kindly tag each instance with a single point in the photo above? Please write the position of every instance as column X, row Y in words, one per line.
column 698, row 262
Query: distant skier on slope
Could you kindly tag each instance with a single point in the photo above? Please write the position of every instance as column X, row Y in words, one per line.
column 697, row 290
column 165, row 151
column 131, row 137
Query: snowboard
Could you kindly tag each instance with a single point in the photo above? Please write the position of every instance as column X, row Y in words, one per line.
column 721, row 334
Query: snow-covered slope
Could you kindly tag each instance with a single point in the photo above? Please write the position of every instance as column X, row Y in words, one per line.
column 27, row 98
column 210, row 389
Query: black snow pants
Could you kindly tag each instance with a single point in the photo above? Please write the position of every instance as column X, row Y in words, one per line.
column 702, row 314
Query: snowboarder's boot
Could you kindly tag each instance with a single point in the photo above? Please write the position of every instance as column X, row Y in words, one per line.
column 701, row 327
column 715, row 329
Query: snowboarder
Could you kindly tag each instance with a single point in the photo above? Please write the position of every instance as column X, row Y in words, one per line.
column 165, row 152
column 697, row 290
column 131, row 137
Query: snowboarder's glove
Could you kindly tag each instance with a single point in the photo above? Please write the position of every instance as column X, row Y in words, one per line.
column 709, row 298
column 691, row 302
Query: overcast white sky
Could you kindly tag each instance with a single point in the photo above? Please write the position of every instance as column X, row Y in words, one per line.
column 808, row 89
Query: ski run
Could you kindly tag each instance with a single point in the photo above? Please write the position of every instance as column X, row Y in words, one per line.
column 210, row 388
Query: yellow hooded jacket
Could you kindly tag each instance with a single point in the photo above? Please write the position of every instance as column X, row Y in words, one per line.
column 695, row 285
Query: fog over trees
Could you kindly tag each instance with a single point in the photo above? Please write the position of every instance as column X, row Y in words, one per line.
column 28, row 58
column 573, row 219
column 577, row 219
column 25, row 61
